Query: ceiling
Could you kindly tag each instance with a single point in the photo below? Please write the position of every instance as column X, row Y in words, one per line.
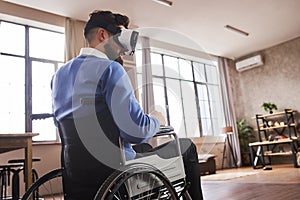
column 196, row 24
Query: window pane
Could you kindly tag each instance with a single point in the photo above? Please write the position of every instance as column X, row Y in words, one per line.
column 138, row 60
column 175, row 106
column 41, row 91
column 171, row 66
column 204, row 109
column 60, row 65
column 199, row 72
column 46, row 44
column 41, row 100
column 156, row 64
column 140, row 88
column 214, row 93
column 215, row 100
column 12, row 38
column 216, row 128
column 216, row 108
column 190, row 109
column 45, row 128
column 159, row 96
column 206, row 126
column 12, row 103
column 212, row 74
column 202, row 92
column 185, row 69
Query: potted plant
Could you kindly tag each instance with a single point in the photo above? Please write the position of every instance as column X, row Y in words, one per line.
column 246, row 136
column 269, row 107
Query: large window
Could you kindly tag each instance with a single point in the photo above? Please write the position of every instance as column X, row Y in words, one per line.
column 187, row 92
column 29, row 57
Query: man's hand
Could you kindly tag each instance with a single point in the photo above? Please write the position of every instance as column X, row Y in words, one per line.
column 159, row 116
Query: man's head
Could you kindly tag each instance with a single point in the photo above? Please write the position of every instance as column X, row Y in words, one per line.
column 103, row 31
column 107, row 20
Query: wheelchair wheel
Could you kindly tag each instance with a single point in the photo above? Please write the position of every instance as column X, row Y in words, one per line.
column 136, row 181
column 49, row 186
column 186, row 196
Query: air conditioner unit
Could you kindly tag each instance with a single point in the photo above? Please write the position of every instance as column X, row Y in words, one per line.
column 249, row 63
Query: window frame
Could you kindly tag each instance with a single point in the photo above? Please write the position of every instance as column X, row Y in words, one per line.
column 195, row 83
column 28, row 60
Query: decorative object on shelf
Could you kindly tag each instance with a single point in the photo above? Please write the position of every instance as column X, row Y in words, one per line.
column 281, row 124
column 271, row 137
column 270, row 123
column 276, row 124
column 269, row 107
column 279, row 137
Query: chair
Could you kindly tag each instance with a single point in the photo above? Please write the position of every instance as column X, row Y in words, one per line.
column 16, row 177
column 6, row 172
column 10, row 178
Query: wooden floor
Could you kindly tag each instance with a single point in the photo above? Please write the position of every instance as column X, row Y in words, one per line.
column 280, row 183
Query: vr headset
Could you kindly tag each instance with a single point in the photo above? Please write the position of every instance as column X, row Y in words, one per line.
column 127, row 39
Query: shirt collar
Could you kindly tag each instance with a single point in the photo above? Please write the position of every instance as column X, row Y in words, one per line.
column 92, row 52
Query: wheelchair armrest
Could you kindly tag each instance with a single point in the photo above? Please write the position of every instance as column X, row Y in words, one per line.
column 167, row 131
column 165, row 134
column 164, row 131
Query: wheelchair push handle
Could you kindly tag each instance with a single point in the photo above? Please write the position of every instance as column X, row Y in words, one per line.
column 41, row 116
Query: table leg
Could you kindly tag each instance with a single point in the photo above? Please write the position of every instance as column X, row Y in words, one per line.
column 28, row 164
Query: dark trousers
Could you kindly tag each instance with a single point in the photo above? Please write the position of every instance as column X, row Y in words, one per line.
column 190, row 161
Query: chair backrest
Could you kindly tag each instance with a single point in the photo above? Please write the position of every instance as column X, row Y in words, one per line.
column 88, row 155
column 95, row 139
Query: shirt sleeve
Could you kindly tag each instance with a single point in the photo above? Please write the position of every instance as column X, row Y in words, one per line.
column 135, row 126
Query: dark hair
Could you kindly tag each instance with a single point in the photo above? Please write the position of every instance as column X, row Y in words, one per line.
column 107, row 20
column 122, row 20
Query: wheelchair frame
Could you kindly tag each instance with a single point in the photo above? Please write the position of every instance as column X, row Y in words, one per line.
column 148, row 177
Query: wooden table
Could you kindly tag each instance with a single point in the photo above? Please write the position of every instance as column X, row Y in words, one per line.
column 14, row 141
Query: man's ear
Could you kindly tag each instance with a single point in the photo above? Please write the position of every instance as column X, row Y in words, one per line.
column 101, row 35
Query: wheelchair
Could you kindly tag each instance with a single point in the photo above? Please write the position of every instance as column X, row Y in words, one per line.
column 149, row 177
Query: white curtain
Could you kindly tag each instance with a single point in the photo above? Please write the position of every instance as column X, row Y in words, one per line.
column 74, row 38
column 229, row 110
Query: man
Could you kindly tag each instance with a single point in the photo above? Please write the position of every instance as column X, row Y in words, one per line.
column 93, row 90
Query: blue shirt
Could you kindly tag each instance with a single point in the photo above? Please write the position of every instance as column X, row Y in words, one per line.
column 92, row 76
